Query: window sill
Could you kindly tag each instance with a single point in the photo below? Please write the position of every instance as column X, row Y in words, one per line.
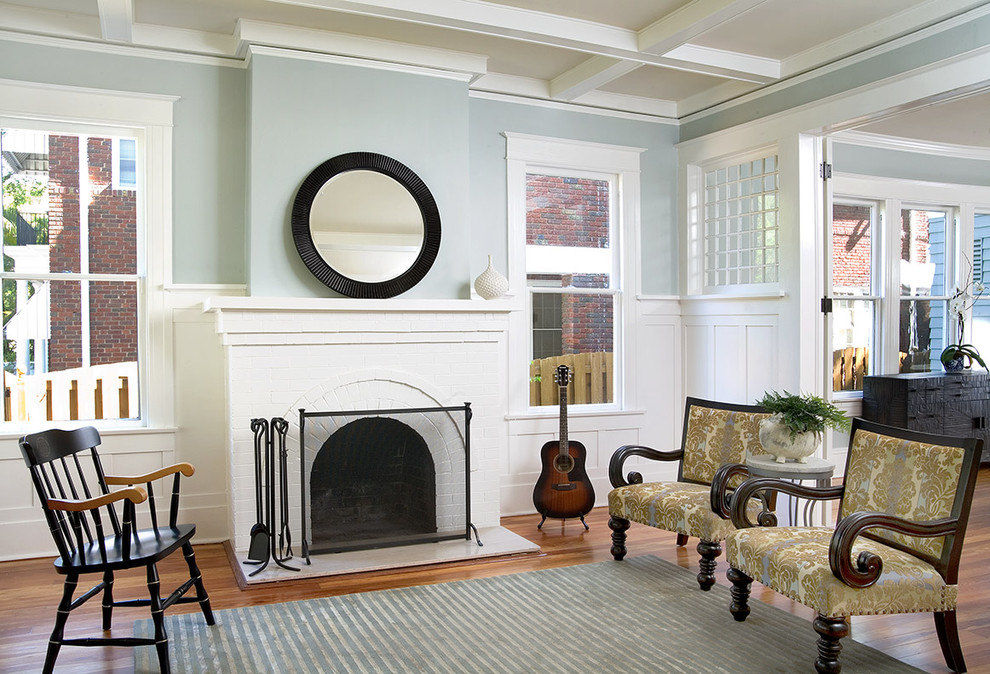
column 104, row 432
column 553, row 413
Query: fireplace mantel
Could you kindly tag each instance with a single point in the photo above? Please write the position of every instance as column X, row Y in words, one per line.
column 225, row 304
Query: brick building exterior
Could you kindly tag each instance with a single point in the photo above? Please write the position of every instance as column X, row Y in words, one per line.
column 573, row 212
column 112, row 248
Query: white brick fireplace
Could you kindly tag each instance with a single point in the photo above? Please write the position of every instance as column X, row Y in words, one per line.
column 328, row 355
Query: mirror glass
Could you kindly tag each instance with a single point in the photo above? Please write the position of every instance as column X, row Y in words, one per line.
column 366, row 225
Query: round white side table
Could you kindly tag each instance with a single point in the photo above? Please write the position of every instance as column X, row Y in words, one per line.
column 813, row 468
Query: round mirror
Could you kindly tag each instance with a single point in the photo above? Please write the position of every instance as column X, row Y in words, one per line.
column 366, row 225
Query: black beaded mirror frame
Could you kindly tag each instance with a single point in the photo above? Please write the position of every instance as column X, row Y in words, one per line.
column 367, row 161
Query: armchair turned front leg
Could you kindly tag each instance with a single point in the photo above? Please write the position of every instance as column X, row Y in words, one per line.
column 709, row 551
column 739, row 608
column 619, row 526
column 830, row 630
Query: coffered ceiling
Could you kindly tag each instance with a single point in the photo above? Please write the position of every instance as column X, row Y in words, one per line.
column 665, row 58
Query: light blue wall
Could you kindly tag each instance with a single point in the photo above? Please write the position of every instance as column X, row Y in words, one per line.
column 658, row 165
column 303, row 112
column 208, row 142
column 244, row 138
column 887, row 163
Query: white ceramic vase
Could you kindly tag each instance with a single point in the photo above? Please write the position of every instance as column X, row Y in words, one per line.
column 490, row 283
column 777, row 441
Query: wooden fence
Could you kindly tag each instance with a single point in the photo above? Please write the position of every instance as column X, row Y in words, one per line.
column 849, row 366
column 96, row 392
column 593, row 380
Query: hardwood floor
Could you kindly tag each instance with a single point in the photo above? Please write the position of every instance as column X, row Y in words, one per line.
column 30, row 590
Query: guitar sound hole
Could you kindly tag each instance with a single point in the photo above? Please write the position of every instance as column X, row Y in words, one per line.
column 563, row 463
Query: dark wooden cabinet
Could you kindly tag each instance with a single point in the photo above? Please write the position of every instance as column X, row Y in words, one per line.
column 951, row 404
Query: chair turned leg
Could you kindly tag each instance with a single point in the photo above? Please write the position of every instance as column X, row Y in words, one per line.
column 948, row 639
column 61, row 616
column 107, row 599
column 682, row 539
column 201, row 596
column 739, row 608
column 830, row 630
column 619, row 527
column 708, row 551
column 158, row 618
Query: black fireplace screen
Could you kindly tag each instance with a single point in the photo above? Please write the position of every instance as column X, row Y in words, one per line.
column 372, row 481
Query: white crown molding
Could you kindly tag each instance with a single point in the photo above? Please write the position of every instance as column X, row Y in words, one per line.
column 121, row 49
column 354, row 61
column 251, row 33
column 912, row 145
column 538, row 101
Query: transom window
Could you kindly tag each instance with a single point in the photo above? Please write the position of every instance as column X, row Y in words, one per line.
column 740, row 222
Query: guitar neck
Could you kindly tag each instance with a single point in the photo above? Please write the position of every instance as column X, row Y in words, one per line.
column 563, row 420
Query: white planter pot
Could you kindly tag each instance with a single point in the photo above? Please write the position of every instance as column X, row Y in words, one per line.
column 777, row 441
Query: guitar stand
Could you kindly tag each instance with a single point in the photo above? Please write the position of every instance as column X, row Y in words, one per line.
column 563, row 519
column 269, row 438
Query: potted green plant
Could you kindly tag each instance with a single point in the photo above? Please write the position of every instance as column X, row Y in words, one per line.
column 796, row 424
column 959, row 357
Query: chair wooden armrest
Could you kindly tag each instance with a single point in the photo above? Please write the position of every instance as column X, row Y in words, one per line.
column 185, row 468
column 620, row 455
column 721, row 495
column 768, row 486
column 868, row 565
column 133, row 494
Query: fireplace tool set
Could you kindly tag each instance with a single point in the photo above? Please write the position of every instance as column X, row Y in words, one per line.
column 271, row 484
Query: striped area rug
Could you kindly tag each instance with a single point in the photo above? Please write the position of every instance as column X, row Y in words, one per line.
column 639, row 615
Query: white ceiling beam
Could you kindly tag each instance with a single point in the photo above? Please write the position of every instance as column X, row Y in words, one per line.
column 523, row 24
column 690, row 21
column 116, row 19
column 588, row 76
column 763, row 70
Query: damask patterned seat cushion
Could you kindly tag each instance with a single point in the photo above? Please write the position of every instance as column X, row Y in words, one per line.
column 682, row 507
column 794, row 562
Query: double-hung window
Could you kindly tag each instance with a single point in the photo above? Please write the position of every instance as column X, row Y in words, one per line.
column 573, row 220
column 573, row 285
column 71, row 279
column 86, row 231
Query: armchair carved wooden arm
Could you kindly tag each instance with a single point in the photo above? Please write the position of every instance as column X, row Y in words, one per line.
column 895, row 549
column 714, row 434
column 79, row 507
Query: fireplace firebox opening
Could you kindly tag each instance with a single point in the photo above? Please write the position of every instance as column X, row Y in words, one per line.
column 373, row 484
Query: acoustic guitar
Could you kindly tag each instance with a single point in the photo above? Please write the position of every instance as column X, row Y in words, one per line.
column 564, row 489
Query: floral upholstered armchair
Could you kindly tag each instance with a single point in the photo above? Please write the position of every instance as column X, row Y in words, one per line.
column 896, row 548
column 715, row 434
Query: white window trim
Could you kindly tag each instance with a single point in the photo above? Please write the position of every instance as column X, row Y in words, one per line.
column 148, row 118
column 528, row 154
